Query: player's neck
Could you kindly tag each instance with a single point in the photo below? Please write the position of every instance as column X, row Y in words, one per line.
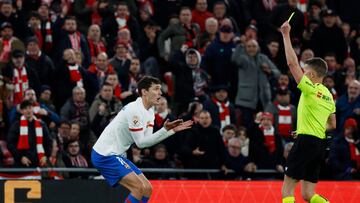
column 146, row 103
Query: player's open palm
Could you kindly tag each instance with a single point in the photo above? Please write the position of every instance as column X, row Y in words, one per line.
column 183, row 126
column 285, row 28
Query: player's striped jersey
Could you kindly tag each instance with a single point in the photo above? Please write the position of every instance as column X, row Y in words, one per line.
column 133, row 124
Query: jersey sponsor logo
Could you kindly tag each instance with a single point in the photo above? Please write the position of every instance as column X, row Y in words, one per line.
column 135, row 121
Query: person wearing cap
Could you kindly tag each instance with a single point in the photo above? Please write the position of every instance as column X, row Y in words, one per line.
column 22, row 76
column 216, row 59
column 284, row 115
column 344, row 155
column 190, row 80
column 8, row 43
column 183, row 35
column 329, row 37
column 39, row 62
column 222, row 111
column 253, row 87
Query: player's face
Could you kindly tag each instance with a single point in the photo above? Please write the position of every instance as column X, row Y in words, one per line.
column 154, row 94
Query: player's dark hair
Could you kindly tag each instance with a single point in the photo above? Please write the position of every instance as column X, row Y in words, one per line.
column 318, row 65
column 146, row 82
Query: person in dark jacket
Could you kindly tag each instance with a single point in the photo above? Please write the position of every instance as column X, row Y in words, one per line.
column 14, row 16
column 205, row 147
column 190, row 80
column 31, row 145
column 344, row 152
column 222, row 111
column 39, row 62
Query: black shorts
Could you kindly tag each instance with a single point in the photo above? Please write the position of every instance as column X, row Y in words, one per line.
column 305, row 158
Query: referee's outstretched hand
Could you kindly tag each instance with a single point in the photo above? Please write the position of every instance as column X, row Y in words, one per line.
column 285, row 28
column 178, row 125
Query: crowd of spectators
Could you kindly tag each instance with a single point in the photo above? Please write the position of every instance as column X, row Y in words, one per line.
column 68, row 66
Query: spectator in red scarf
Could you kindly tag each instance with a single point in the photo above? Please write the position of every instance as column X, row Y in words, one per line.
column 21, row 75
column 228, row 132
column 200, row 14
column 121, row 62
column 130, row 84
column 70, row 37
column 124, row 36
column 345, row 152
column 221, row 110
column 8, row 43
column 39, row 62
column 183, row 35
column 28, row 139
column 284, row 115
column 96, row 44
column 74, row 158
column 162, row 113
column 121, row 19
column 46, row 28
column 113, row 80
column 100, row 69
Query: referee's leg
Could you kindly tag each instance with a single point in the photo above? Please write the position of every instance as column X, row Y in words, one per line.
column 308, row 193
column 288, row 189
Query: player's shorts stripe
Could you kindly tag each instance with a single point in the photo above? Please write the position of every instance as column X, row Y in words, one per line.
column 135, row 129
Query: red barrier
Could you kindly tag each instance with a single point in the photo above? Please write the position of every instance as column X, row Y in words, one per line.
column 245, row 191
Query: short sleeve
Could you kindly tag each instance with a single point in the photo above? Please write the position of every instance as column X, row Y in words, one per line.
column 134, row 120
column 306, row 86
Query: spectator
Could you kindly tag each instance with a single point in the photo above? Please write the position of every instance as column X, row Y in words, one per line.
column 330, row 84
column 95, row 42
column 331, row 62
column 31, row 144
column 120, row 20
column 113, row 80
column 100, row 69
column 344, row 152
column 21, row 75
column 15, row 17
column 244, row 140
column 104, row 105
column 348, row 104
column 183, row 35
column 272, row 51
column 220, row 13
column 76, row 109
column 236, row 161
column 34, row 27
column 221, row 110
column 190, row 79
column 62, row 134
column 327, row 32
column 121, row 62
column 8, row 43
column 281, row 14
column 45, row 97
column 84, row 11
column 39, row 62
column 165, row 10
column 162, row 113
column 71, row 38
column 216, row 60
column 305, row 55
column 69, row 75
column 228, row 132
column 124, row 36
column 253, row 84
column 205, row 148
column 55, row 160
column 345, row 74
column 74, row 158
column 284, row 115
column 130, row 84
column 161, row 159
column 200, row 14
column 209, row 34
column 46, row 28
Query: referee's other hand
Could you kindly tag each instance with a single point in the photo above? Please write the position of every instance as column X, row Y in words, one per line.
column 285, row 28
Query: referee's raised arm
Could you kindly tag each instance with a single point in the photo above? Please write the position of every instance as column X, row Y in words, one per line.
column 291, row 58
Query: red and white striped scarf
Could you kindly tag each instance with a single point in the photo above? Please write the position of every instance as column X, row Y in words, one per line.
column 284, row 120
column 354, row 152
column 78, row 161
column 21, row 83
column 75, row 75
column 160, row 118
column 48, row 36
column 117, row 92
column 6, row 49
column 75, row 41
column 224, row 112
column 23, row 143
column 96, row 48
column 146, row 5
column 269, row 135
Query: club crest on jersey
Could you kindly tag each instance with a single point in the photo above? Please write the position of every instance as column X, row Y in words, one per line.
column 136, row 121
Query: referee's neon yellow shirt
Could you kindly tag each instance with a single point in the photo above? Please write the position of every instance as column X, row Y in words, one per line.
column 314, row 108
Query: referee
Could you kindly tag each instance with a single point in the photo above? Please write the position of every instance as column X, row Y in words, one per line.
column 316, row 114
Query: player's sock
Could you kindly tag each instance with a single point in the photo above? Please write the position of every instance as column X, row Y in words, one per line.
column 131, row 199
column 318, row 199
column 290, row 199
column 144, row 199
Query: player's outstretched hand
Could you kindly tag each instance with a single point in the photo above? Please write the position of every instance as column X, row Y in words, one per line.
column 285, row 28
column 171, row 125
column 183, row 126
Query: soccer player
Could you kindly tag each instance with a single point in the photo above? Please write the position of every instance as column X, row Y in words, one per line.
column 133, row 124
column 316, row 114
